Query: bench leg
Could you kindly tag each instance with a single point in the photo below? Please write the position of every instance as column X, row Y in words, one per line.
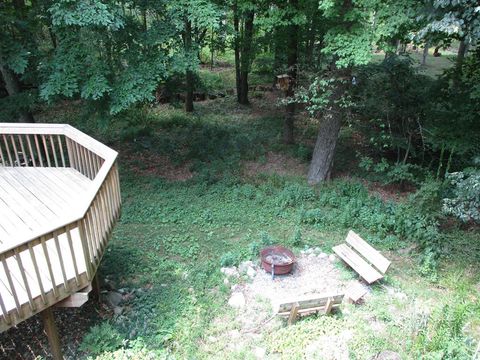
column 328, row 306
column 293, row 314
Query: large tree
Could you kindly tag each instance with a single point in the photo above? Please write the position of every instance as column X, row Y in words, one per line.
column 348, row 43
column 243, row 24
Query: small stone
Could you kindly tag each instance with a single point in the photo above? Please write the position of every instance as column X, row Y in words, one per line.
column 229, row 271
column 332, row 258
column 387, row 355
column 225, row 281
column 118, row 310
column 163, row 285
column 259, row 352
column 317, row 250
column 237, row 300
column 132, row 334
column 311, row 255
column 233, row 334
column 251, row 272
column 212, row 339
column 322, row 255
column 129, row 296
column 310, row 251
column 243, row 267
column 390, row 291
column 113, row 298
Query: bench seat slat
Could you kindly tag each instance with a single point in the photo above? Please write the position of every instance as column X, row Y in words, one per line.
column 364, row 269
column 368, row 252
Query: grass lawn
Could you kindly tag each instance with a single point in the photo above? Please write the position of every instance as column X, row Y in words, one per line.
column 201, row 191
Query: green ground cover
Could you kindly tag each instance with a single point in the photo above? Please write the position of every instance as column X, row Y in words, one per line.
column 174, row 235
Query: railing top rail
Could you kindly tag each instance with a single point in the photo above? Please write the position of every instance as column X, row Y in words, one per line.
column 59, row 129
column 84, row 140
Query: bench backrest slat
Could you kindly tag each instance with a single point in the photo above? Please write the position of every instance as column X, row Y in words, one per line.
column 368, row 252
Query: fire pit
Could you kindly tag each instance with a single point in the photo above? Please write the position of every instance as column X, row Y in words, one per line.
column 277, row 260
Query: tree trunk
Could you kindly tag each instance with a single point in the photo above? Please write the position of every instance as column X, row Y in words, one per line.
column 310, row 43
column 245, row 56
column 277, row 51
column 144, row 19
column 425, row 54
column 189, row 76
column 322, row 159
column 462, row 50
column 12, row 84
column 211, row 49
column 288, row 125
column 237, row 48
column 391, row 51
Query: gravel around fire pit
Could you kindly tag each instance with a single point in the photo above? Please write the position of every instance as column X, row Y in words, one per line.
column 311, row 275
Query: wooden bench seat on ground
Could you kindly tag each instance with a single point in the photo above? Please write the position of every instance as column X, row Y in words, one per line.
column 363, row 258
column 308, row 305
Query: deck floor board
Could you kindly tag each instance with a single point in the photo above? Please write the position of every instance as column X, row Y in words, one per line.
column 30, row 198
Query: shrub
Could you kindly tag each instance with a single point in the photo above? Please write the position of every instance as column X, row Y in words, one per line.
column 229, row 259
column 294, row 194
column 442, row 337
column 465, row 201
column 101, row 338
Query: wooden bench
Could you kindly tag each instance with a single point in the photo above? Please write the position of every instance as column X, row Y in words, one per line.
column 309, row 305
column 363, row 258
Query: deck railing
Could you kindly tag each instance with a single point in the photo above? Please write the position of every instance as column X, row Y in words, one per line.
column 52, row 145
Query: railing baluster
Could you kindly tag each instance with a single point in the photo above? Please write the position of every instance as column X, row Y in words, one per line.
column 24, row 278
column 47, row 155
column 62, row 155
column 60, row 259
column 15, row 151
column 8, row 150
column 10, row 283
column 2, row 158
column 49, row 266
column 93, row 172
column 52, row 145
column 37, row 273
column 72, row 252
column 22, row 147
column 83, row 239
column 89, row 236
column 30, row 149
column 39, row 152
column 5, row 314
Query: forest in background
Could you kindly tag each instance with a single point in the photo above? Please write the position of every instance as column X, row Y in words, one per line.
column 384, row 93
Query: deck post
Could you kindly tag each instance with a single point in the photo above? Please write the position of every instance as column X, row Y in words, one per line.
column 96, row 286
column 52, row 333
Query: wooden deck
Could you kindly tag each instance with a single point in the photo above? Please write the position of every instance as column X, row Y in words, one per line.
column 59, row 200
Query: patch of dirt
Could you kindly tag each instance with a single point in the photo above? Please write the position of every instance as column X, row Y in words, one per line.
column 148, row 163
column 27, row 340
column 390, row 192
column 311, row 275
column 276, row 163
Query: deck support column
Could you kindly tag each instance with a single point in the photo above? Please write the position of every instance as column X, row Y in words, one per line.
column 96, row 291
column 52, row 333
